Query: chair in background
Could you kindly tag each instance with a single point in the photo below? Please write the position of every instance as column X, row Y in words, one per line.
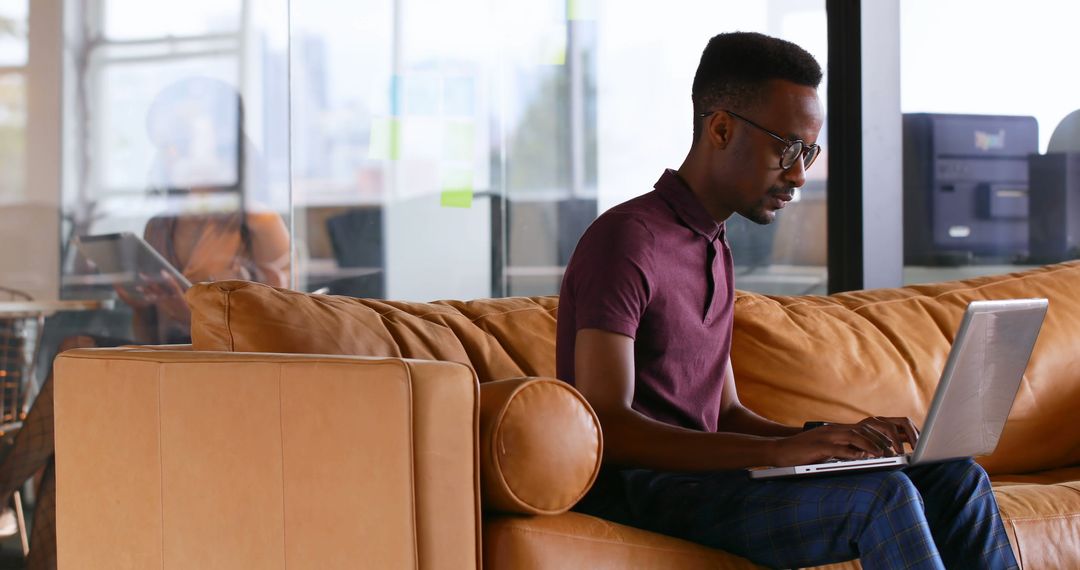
column 21, row 328
column 356, row 239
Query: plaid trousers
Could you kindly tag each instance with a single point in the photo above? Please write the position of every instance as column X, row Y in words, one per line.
column 935, row 516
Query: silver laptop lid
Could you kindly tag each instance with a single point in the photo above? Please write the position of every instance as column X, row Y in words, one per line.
column 980, row 380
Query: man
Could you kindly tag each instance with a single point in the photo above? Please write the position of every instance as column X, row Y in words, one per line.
column 645, row 324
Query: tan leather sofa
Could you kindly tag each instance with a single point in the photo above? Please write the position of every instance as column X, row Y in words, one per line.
column 266, row 445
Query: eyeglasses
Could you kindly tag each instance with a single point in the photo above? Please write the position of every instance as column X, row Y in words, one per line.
column 793, row 150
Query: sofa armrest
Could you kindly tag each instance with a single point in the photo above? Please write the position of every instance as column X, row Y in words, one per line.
column 186, row 459
column 540, row 445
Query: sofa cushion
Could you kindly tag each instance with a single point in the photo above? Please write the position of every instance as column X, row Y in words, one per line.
column 881, row 352
column 573, row 540
column 1041, row 512
column 540, row 446
column 498, row 338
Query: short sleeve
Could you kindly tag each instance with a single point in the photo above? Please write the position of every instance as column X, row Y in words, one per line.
column 610, row 274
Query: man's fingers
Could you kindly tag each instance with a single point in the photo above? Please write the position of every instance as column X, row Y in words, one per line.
column 904, row 428
column 889, row 430
column 910, row 431
column 857, row 439
column 898, row 430
column 884, row 438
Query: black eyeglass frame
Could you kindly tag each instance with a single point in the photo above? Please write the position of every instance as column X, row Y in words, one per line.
column 809, row 152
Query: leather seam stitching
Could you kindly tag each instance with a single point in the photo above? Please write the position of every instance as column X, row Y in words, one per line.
column 453, row 312
column 261, row 358
column 281, row 448
column 412, row 461
column 228, row 320
column 161, row 461
column 486, row 315
column 1045, row 518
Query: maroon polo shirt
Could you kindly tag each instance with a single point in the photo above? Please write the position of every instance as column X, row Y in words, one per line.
column 657, row 269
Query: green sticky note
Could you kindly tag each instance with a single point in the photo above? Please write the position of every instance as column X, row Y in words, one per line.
column 457, row 189
column 459, row 138
column 456, row 199
column 385, row 143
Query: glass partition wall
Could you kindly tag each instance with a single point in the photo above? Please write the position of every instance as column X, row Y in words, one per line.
column 458, row 150
column 177, row 125
column 991, row 137
column 402, row 149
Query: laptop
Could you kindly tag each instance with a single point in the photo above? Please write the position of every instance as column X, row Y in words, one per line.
column 974, row 396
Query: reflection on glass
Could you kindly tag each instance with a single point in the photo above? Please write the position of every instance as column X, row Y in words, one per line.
column 12, row 137
column 127, row 92
column 988, row 177
column 204, row 171
column 645, row 118
column 139, row 19
column 181, row 139
column 13, row 24
column 475, row 142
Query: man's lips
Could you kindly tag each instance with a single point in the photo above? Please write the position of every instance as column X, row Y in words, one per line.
column 781, row 200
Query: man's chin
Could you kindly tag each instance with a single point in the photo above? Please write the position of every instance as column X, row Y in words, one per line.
column 761, row 216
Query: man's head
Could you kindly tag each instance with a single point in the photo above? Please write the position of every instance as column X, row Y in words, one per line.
column 754, row 96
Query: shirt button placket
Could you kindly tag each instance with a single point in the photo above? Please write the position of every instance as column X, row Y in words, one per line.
column 714, row 256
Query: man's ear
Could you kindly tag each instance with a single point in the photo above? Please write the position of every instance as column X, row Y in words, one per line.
column 717, row 130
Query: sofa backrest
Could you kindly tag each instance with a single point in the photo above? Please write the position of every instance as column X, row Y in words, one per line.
column 881, row 352
column 839, row 358
column 498, row 338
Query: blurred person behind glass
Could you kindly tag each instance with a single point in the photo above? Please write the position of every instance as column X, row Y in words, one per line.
column 207, row 167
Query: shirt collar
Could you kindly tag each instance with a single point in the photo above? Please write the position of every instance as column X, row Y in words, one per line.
column 686, row 206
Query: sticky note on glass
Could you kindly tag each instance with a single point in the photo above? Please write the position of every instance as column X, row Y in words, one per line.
column 459, row 94
column 459, row 139
column 385, row 143
column 580, row 9
column 420, row 93
column 457, row 189
column 395, row 95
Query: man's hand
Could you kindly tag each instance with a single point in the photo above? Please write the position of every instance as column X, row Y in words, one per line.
column 872, row 437
column 895, row 431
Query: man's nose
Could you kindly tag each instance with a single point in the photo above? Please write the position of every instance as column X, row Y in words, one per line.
column 796, row 175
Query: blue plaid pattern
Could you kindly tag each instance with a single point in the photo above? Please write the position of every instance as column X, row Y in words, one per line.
column 927, row 517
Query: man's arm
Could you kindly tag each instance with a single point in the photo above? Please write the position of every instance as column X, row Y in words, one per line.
column 891, row 433
column 735, row 417
column 604, row 374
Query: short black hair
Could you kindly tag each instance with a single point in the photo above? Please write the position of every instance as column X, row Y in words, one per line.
column 735, row 66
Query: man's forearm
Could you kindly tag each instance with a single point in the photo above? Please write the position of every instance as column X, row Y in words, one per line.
column 739, row 419
column 632, row 439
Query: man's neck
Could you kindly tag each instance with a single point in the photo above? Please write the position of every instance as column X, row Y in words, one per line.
column 695, row 174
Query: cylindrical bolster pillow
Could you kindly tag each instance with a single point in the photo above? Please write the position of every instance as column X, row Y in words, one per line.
column 540, row 446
